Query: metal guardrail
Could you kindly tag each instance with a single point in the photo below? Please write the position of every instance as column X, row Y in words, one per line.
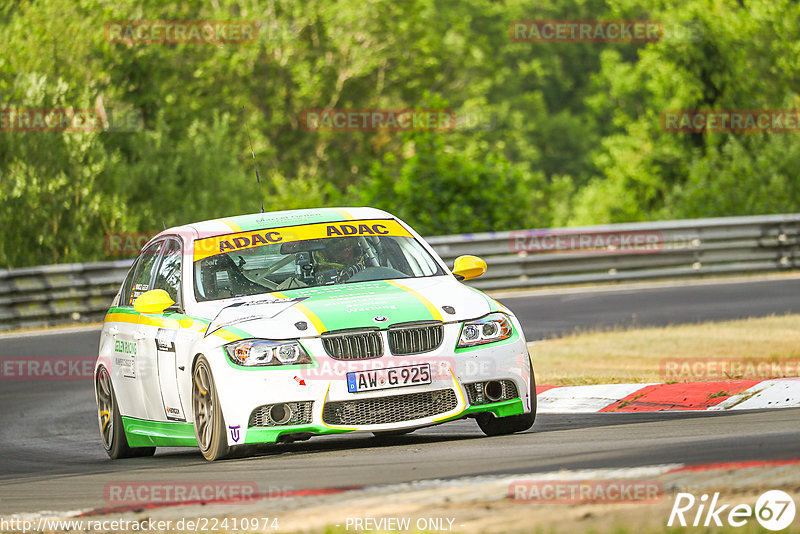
column 54, row 294
column 683, row 248
column 40, row 296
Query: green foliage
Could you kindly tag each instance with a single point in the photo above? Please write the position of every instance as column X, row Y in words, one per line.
column 733, row 58
column 472, row 190
column 740, row 179
column 568, row 133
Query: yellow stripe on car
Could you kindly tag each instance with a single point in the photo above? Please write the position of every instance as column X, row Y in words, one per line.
column 121, row 318
column 226, row 335
column 460, row 394
column 310, row 315
column 149, row 320
column 428, row 304
column 324, row 402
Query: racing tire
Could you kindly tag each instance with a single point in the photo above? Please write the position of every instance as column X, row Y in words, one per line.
column 112, row 433
column 500, row 426
column 209, row 424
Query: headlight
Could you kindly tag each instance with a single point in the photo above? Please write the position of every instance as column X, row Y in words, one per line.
column 488, row 329
column 261, row 352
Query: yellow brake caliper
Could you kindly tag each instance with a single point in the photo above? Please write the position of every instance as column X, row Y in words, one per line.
column 107, row 416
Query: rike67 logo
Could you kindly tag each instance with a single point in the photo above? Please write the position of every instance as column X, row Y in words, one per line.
column 774, row 510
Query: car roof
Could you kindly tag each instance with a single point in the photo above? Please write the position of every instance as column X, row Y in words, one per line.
column 276, row 219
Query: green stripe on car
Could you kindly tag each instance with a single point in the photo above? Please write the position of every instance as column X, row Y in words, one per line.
column 143, row 433
column 342, row 306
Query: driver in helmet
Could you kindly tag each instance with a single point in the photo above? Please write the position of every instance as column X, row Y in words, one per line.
column 345, row 253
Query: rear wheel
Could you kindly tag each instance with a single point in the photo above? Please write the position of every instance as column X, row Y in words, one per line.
column 209, row 425
column 109, row 419
column 499, row 426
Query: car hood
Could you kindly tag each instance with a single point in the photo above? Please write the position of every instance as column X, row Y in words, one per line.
column 313, row 311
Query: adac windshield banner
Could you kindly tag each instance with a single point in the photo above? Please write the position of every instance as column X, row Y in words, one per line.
column 211, row 246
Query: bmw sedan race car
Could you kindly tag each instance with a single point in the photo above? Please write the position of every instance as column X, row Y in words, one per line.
column 287, row 325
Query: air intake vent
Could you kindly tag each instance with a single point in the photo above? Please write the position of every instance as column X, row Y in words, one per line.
column 392, row 409
column 353, row 345
column 295, row 413
column 415, row 338
column 476, row 392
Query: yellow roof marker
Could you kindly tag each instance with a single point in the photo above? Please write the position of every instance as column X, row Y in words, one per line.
column 232, row 225
column 346, row 214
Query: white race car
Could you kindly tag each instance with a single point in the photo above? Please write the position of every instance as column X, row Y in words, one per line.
column 281, row 326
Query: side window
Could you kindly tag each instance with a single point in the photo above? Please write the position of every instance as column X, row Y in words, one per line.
column 144, row 270
column 125, row 294
column 168, row 277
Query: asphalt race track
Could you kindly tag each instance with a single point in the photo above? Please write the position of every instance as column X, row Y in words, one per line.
column 52, row 458
column 554, row 314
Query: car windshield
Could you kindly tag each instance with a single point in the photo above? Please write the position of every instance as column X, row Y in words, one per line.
column 280, row 259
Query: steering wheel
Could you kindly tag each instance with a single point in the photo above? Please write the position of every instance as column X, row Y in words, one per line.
column 348, row 272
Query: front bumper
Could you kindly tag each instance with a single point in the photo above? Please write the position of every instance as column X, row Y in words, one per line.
column 320, row 391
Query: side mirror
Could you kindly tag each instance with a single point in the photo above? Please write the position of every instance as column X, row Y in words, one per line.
column 467, row 267
column 153, row 301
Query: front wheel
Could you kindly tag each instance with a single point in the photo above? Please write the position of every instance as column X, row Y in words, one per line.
column 499, row 426
column 209, row 425
column 108, row 417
